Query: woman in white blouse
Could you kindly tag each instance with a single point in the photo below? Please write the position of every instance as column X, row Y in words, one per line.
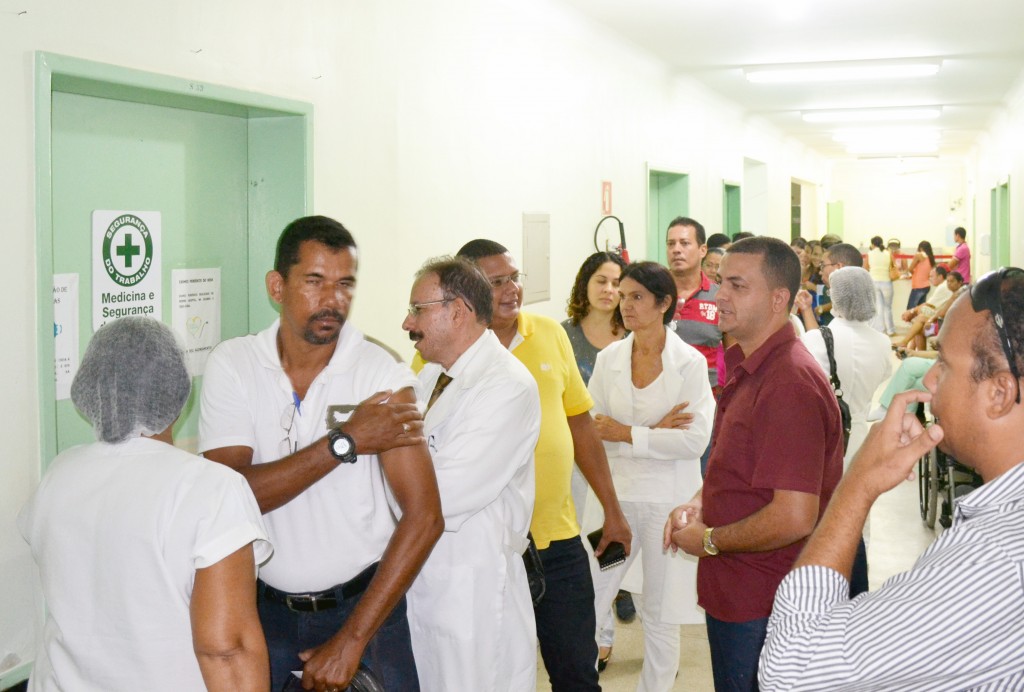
column 147, row 553
column 654, row 410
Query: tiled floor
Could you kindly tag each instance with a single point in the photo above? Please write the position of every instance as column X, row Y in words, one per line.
column 897, row 537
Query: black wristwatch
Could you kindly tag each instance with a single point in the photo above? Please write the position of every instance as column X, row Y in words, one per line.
column 342, row 446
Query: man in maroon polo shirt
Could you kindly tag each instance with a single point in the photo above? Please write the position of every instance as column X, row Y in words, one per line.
column 774, row 464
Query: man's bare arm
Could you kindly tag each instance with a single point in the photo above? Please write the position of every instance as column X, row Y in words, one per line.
column 410, row 474
column 593, row 463
column 376, row 425
column 883, row 461
column 789, row 517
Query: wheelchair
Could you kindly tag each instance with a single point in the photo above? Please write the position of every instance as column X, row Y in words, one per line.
column 942, row 480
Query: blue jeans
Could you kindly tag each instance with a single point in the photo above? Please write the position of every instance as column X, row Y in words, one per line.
column 735, row 650
column 917, row 296
column 565, row 617
column 388, row 655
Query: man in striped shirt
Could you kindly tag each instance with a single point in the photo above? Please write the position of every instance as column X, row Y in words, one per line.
column 954, row 621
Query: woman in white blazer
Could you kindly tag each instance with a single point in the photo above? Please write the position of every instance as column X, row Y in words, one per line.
column 654, row 411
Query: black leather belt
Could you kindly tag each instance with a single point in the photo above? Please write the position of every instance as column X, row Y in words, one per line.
column 321, row 600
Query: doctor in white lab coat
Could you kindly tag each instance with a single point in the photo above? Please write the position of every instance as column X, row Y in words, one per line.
column 470, row 611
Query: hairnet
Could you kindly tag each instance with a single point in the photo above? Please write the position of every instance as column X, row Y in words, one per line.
column 853, row 293
column 132, row 380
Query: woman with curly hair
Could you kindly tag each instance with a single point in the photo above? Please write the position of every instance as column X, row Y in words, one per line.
column 593, row 320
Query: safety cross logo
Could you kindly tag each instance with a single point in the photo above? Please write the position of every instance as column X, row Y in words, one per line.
column 127, row 250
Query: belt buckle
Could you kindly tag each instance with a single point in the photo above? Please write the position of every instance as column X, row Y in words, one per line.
column 307, row 600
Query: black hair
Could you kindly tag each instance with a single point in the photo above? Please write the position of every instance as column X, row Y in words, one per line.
column 459, row 278
column 702, row 236
column 846, row 255
column 960, row 231
column 741, row 235
column 718, row 240
column 779, row 263
column 480, row 248
column 656, row 279
column 577, row 307
column 876, row 241
column 942, row 270
column 988, row 352
column 319, row 229
column 926, row 247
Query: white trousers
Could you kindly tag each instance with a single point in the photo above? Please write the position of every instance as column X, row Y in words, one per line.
column 669, row 588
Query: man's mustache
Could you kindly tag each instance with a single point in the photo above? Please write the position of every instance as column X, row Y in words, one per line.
column 327, row 313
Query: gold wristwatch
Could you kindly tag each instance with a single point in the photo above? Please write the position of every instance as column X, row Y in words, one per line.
column 709, row 547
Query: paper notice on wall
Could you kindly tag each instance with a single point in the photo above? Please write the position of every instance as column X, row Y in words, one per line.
column 126, row 276
column 65, row 332
column 195, row 313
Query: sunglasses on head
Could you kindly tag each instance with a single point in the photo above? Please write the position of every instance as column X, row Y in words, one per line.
column 987, row 294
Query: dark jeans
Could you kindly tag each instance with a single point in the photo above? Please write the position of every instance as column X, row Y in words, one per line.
column 859, row 576
column 735, row 649
column 917, row 296
column 388, row 655
column 565, row 617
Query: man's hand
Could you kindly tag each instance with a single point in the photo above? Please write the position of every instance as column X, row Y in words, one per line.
column 892, row 448
column 331, row 665
column 677, row 418
column 616, row 529
column 690, row 538
column 678, row 519
column 803, row 300
column 611, row 430
column 378, row 425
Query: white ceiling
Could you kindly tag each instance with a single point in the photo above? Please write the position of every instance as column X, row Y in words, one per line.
column 980, row 44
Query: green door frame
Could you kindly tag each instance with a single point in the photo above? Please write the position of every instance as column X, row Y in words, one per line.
column 271, row 122
column 999, row 229
column 668, row 196
column 731, row 209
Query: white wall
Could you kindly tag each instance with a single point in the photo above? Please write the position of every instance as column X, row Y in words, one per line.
column 434, row 123
column 912, row 199
column 998, row 159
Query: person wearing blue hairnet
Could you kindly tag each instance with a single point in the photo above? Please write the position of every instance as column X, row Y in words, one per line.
column 147, row 553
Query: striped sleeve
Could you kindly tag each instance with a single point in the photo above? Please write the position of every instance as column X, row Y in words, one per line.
column 954, row 622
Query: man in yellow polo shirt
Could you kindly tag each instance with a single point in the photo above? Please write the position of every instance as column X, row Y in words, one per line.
column 565, row 616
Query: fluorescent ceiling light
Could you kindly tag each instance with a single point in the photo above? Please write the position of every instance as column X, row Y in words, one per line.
column 841, row 72
column 893, row 148
column 891, row 134
column 866, row 115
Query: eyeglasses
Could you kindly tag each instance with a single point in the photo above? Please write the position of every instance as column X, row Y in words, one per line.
column 416, row 308
column 500, row 281
column 987, row 294
column 288, row 446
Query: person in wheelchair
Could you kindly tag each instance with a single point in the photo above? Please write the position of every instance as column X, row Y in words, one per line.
column 900, row 636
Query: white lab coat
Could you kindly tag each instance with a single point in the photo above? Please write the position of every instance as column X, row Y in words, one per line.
column 654, row 474
column 470, row 611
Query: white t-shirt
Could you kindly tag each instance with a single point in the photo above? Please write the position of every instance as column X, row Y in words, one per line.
column 863, row 362
column 118, row 532
column 342, row 523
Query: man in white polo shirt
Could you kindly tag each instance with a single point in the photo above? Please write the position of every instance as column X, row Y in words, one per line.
column 283, row 408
